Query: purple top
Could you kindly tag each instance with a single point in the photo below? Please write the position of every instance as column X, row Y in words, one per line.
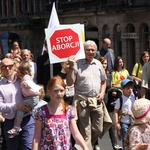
column 10, row 93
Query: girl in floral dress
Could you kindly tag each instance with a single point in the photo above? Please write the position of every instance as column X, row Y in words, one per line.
column 55, row 121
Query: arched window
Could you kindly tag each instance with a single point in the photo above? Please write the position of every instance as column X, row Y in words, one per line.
column 105, row 32
column 117, row 40
column 4, row 8
column 92, row 34
column 130, row 48
column 144, row 34
column 13, row 8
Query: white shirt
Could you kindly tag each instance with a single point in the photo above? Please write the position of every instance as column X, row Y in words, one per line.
column 127, row 103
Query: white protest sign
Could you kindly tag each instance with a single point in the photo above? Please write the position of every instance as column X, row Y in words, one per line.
column 64, row 41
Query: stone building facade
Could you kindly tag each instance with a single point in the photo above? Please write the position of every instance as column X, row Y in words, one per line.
column 125, row 22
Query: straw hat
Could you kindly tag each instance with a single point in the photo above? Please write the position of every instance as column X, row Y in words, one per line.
column 141, row 110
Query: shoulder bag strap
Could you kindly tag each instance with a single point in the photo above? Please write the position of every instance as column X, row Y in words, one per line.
column 138, row 69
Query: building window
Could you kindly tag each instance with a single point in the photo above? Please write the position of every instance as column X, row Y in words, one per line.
column 37, row 6
column 24, row 6
column 105, row 32
column 13, row 8
column 1, row 9
column 117, row 40
column 4, row 8
column 144, row 37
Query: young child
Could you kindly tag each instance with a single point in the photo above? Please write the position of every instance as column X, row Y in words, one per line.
column 41, row 98
column 55, row 121
column 124, row 104
column 30, row 91
column 15, row 48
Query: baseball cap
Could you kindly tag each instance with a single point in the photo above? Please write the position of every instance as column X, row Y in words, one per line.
column 125, row 82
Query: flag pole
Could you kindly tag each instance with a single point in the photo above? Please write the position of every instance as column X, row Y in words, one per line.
column 53, row 23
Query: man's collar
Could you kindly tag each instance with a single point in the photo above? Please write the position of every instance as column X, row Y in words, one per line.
column 92, row 62
column 7, row 81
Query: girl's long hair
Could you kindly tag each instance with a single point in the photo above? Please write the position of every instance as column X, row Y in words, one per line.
column 116, row 63
column 102, row 59
column 57, row 80
column 141, row 58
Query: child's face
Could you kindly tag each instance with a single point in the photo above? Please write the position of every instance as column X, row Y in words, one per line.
column 19, row 74
column 57, row 92
column 127, row 90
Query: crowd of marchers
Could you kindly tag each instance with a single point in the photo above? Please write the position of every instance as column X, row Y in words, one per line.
column 83, row 100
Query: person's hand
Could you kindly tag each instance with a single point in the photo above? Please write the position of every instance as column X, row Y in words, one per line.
column 71, row 61
column 114, row 93
column 142, row 146
column 117, row 126
column 2, row 119
column 138, row 80
column 25, row 85
column 100, row 97
column 23, row 106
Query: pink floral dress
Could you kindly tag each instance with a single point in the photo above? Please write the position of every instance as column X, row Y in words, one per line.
column 55, row 129
column 137, row 136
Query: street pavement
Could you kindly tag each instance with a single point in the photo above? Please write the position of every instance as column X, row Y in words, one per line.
column 104, row 143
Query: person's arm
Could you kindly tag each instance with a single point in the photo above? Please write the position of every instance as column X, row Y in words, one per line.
column 77, row 135
column 37, row 135
column 135, row 72
column 10, row 107
column 100, row 96
column 142, row 146
column 23, row 106
column 70, row 73
column 116, row 120
column 137, row 79
column 143, row 92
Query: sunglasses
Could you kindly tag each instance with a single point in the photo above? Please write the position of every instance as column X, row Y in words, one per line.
column 6, row 67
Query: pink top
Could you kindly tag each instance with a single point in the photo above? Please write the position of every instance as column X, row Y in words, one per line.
column 34, row 88
column 55, row 134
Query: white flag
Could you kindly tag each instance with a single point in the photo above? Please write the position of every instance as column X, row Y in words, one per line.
column 53, row 20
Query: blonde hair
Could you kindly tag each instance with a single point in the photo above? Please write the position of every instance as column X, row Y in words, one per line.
column 41, row 92
column 25, row 68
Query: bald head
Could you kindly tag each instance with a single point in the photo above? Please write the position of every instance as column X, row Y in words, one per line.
column 7, row 61
column 106, row 43
column 8, row 69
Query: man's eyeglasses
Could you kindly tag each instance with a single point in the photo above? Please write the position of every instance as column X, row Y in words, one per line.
column 6, row 67
column 88, row 50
